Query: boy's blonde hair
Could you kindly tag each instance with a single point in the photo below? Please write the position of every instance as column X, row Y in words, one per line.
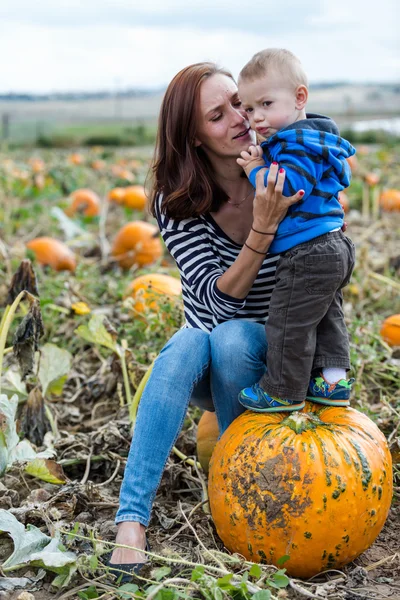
column 278, row 60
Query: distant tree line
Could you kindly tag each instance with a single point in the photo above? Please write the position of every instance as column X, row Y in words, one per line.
column 67, row 96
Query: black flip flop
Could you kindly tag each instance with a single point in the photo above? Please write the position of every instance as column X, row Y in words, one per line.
column 120, row 569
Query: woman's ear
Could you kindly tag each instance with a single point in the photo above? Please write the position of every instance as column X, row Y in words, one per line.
column 301, row 97
column 197, row 143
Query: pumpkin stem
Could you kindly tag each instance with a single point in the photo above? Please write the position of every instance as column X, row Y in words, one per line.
column 299, row 421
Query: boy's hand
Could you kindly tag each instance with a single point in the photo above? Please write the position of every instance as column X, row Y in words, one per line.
column 251, row 159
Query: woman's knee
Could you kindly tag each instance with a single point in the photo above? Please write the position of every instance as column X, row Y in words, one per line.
column 186, row 347
column 238, row 338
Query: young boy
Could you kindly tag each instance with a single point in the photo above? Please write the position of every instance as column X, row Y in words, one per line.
column 308, row 346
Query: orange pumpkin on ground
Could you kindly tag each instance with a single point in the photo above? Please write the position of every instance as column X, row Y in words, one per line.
column 98, row 165
column 390, row 330
column 85, row 201
column 37, row 165
column 152, row 289
column 52, row 252
column 314, row 485
column 137, row 243
column 122, row 173
column 344, row 201
column 117, row 195
column 390, row 200
column 76, row 159
column 372, row 179
column 207, row 436
column 135, row 197
column 353, row 163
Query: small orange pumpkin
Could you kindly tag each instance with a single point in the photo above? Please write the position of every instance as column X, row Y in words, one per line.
column 86, row 201
column 372, row 179
column 98, row 165
column 37, row 165
column 207, row 436
column 122, row 173
column 390, row 200
column 150, row 290
column 390, row 330
column 344, row 201
column 314, row 485
column 76, row 159
column 137, row 243
column 117, row 195
column 135, row 197
column 52, row 252
column 353, row 163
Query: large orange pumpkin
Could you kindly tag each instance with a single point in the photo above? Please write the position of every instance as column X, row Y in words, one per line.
column 85, row 201
column 390, row 330
column 207, row 436
column 137, row 243
column 314, row 485
column 390, row 200
column 135, row 197
column 152, row 289
column 52, row 252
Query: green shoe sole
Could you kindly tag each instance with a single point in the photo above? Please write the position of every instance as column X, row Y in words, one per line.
column 328, row 401
column 290, row 408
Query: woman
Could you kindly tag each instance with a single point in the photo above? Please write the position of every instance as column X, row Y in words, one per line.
column 218, row 233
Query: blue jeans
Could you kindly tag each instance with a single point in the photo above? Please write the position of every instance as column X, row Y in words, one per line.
column 207, row 369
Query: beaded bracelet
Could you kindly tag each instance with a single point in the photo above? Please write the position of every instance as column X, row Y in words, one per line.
column 262, row 232
column 257, row 251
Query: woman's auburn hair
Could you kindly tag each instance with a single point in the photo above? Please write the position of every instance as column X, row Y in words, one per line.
column 181, row 171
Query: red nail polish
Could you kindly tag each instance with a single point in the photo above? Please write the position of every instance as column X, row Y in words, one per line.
column 301, row 193
column 281, row 170
column 274, row 163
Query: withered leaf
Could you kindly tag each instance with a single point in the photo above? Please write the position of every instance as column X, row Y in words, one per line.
column 26, row 339
column 23, row 279
column 34, row 422
column 110, row 329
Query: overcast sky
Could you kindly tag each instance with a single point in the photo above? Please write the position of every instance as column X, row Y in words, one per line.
column 58, row 45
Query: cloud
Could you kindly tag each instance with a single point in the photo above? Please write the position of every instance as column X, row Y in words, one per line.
column 72, row 45
column 262, row 16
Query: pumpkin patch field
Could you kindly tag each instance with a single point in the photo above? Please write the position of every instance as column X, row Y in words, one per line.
column 281, row 506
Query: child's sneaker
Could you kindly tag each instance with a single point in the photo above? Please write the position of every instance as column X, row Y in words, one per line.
column 330, row 394
column 254, row 398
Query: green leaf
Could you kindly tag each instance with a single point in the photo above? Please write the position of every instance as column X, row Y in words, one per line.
column 33, row 547
column 14, row 383
column 129, row 588
column 281, row 561
column 224, row 582
column 8, row 432
column 197, row 573
column 55, row 363
column 93, row 561
column 46, row 470
column 255, row 571
column 95, row 332
column 160, row 573
column 56, row 387
column 88, row 594
column 262, row 595
column 278, row 581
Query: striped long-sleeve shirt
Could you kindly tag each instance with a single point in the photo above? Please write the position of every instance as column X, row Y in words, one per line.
column 203, row 252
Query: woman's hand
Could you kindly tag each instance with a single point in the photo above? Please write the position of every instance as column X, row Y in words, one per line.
column 270, row 206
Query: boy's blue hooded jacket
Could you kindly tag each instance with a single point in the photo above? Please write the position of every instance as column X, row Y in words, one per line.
column 314, row 158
